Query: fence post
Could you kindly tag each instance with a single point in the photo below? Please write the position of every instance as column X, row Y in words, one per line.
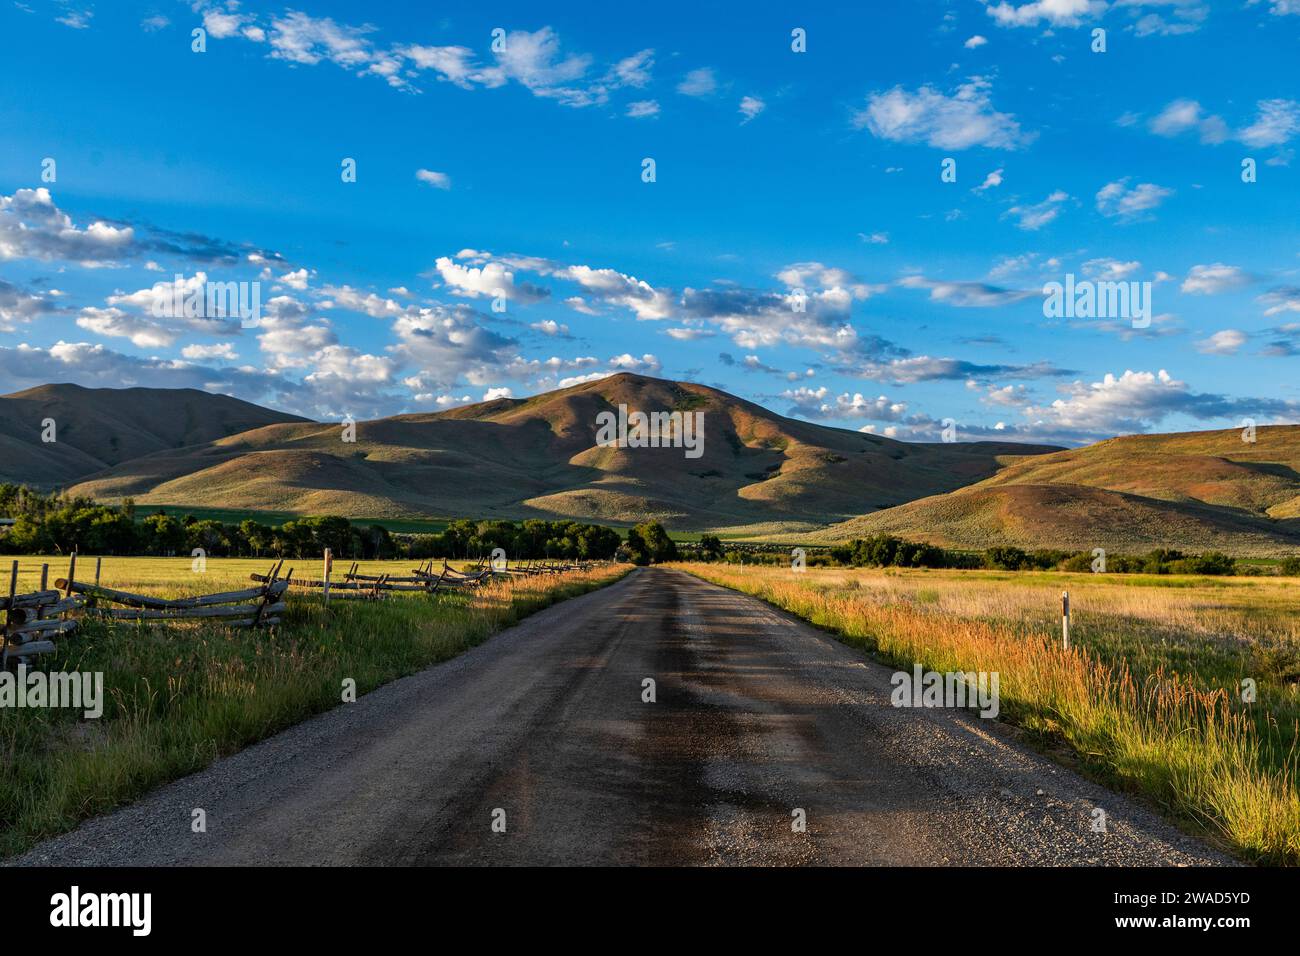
column 1065, row 619
column 45, row 583
column 329, row 565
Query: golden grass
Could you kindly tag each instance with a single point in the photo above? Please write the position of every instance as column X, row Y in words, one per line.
column 1148, row 699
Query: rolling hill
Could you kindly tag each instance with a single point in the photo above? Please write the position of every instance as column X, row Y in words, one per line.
column 760, row 474
column 538, row 457
column 97, row 428
column 1195, row 491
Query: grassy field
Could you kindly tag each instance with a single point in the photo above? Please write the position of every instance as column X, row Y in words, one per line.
column 1149, row 701
column 180, row 695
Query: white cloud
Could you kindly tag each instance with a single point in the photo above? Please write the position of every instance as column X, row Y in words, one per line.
column 1177, row 117
column 115, row 323
column 1060, row 13
column 1284, row 299
column 634, row 70
column 1110, row 270
column 1214, row 279
column 821, row 403
column 689, row 334
column 808, row 275
column 296, row 279
column 77, row 19
column 1225, row 342
column 751, row 106
column 975, row 42
column 699, row 83
column 32, row 227
column 550, row 327
column 222, row 350
column 958, row 121
column 647, row 364
column 1037, row 215
column 643, row 108
column 221, row 25
column 1138, row 401
column 492, row 394
column 583, row 379
column 1118, row 200
column 20, row 305
column 491, row 280
column 435, row 179
column 991, row 181
column 1277, row 121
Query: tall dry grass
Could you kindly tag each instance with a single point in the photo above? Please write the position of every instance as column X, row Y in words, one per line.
column 1162, row 731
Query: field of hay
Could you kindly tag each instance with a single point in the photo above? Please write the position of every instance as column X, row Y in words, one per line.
column 1150, row 698
column 179, row 695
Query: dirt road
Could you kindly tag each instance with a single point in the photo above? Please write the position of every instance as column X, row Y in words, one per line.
column 756, row 716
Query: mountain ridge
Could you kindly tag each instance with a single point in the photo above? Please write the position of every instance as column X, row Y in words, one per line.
column 761, row 474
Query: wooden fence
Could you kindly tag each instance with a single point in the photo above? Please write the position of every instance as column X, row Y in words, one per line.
column 33, row 620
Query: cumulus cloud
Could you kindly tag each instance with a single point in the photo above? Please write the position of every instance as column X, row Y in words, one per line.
column 97, row 366
column 19, row 305
column 32, row 227
column 550, row 327
column 1223, row 342
column 821, row 403
column 1281, row 299
column 492, row 279
column 1214, row 279
column 959, row 120
column 1179, row 116
column 1110, row 270
column 1120, row 201
column 1139, row 401
column 1059, row 13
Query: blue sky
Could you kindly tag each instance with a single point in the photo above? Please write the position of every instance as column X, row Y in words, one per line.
column 519, row 170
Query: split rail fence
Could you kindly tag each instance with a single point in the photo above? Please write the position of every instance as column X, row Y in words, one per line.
column 33, row 620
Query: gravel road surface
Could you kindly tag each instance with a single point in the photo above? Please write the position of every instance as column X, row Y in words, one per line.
column 756, row 715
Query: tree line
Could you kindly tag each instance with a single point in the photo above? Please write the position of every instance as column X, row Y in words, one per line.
column 886, row 550
column 57, row 523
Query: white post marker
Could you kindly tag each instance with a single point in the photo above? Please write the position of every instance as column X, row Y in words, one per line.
column 1065, row 619
column 329, row 566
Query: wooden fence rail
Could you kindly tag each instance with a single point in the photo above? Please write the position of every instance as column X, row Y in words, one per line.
column 33, row 620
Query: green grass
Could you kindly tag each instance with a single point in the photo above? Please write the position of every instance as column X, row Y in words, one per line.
column 180, row 695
